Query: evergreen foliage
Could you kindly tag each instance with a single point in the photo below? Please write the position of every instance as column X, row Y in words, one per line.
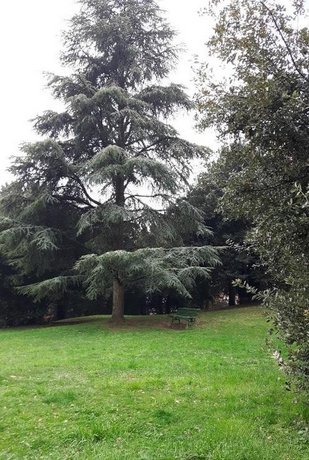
column 14, row 309
column 239, row 260
column 106, row 180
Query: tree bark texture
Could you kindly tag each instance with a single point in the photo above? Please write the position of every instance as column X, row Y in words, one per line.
column 118, row 301
column 118, row 286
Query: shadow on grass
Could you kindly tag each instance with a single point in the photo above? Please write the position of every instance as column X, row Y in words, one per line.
column 145, row 322
column 130, row 322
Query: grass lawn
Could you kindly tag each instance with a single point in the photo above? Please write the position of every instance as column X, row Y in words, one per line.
column 86, row 390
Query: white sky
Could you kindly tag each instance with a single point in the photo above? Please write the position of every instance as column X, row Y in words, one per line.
column 30, row 44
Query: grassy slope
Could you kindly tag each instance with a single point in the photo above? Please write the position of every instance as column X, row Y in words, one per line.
column 87, row 391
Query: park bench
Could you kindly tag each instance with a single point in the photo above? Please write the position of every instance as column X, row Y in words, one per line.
column 185, row 314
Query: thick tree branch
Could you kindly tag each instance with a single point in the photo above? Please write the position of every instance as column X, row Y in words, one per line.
column 156, row 195
column 75, row 199
column 154, row 144
column 78, row 180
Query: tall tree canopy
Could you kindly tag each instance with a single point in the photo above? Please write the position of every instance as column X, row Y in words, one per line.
column 261, row 112
column 111, row 161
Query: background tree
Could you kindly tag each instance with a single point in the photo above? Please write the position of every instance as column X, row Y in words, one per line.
column 112, row 160
column 14, row 309
column 261, row 113
column 39, row 241
column 238, row 259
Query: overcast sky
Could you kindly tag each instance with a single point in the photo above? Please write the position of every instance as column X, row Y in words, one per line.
column 30, row 44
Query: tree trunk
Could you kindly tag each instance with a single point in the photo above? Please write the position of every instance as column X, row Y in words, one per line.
column 244, row 297
column 232, row 295
column 118, row 286
column 118, row 301
column 60, row 311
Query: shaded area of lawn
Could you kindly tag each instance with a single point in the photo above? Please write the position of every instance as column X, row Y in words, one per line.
column 88, row 390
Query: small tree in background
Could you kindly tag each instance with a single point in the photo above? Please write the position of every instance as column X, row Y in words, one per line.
column 113, row 159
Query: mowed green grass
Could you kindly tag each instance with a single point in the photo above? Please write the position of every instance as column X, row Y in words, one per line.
column 144, row 391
